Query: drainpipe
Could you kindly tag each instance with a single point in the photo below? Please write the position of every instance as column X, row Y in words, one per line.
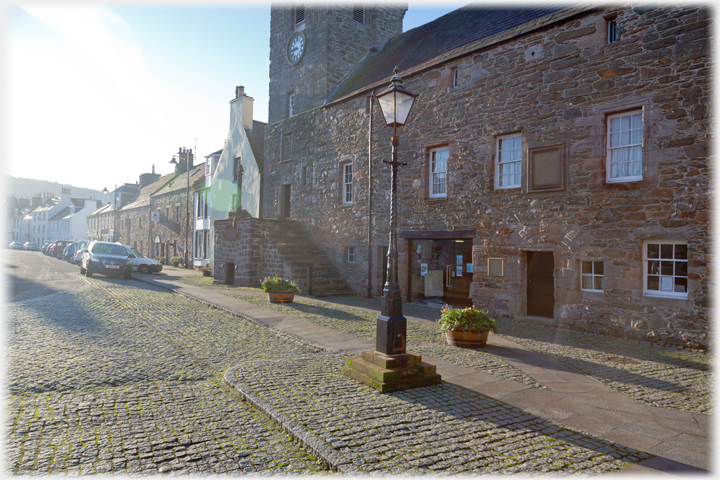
column 369, row 254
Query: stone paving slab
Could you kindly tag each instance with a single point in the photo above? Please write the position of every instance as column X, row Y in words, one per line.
column 444, row 428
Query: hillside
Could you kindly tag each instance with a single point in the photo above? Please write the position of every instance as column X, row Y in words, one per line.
column 27, row 187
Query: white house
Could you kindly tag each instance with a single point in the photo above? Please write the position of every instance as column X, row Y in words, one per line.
column 70, row 223
column 235, row 180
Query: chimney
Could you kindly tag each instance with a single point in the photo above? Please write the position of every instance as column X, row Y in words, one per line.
column 153, row 170
column 36, row 202
column 241, row 110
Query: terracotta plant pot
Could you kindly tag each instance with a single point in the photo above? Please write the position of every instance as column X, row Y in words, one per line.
column 467, row 338
column 281, row 297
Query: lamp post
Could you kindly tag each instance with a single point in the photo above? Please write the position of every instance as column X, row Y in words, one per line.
column 395, row 103
column 389, row 367
column 114, row 214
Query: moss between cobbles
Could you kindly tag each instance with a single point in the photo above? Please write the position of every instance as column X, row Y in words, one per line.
column 664, row 377
column 122, row 377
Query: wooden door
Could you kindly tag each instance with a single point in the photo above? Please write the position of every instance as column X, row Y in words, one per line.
column 540, row 284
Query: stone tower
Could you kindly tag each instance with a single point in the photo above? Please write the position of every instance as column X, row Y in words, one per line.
column 314, row 47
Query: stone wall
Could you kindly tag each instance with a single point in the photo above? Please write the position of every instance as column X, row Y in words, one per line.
column 555, row 87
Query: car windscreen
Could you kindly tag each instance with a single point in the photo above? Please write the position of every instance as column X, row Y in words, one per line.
column 136, row 253
column 109, row 249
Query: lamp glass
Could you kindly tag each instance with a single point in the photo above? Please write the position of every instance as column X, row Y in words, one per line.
column 395, row 106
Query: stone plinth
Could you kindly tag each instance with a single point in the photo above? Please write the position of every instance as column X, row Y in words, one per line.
column 387, row 373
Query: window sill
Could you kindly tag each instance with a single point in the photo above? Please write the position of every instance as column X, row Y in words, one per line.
column 660, row 301
column 624, row 180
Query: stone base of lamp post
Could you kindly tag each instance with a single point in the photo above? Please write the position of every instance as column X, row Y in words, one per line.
column 390, row 373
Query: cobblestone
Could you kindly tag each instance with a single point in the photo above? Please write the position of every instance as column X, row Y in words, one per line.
column 660, row 376
column 420, row 431
column 123, row 377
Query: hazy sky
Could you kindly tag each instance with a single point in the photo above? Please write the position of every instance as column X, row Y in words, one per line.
column 96, row 94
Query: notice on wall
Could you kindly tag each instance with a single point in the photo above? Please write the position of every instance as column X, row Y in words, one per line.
column 459, row 260
column 666, row 284
column 469, row 268
column 423, row 269
column 458, row 271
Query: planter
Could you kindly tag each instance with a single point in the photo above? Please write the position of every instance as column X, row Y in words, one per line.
column 175, row 264
column 469, row 338
column 281, row 297
column 206, row 273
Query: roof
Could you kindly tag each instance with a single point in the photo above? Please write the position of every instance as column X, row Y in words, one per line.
column 458, row 33
column 105, row 208
column 256, row 137
column 142, row 197
column 179, row 182
column 62, row 213
column 219, row 152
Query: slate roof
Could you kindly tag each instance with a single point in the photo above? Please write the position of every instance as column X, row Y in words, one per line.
column 219, row 152
column 179, row 182
column 142, row 198
column 105, row 208
column 256, row 137
column 455, row 34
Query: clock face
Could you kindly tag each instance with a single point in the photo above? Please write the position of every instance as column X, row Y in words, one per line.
column 296, row 47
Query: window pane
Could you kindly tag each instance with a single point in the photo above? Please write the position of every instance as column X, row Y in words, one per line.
column 666, row 251
column 599, row 283
column 653, row 250
column 586, row 267
column 681, row 269
column 666, row 268
column 653, row 267
column 587, row 282
column 681, row 252
column 599, row 268
column 681, row 285
column 653, row 283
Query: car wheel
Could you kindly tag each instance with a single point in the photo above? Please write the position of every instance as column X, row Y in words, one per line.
column 144, row 269
column 82, row 271
column 58, row 256
column 88, row 274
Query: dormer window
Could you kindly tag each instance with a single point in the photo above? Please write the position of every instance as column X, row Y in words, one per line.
column 359, row 13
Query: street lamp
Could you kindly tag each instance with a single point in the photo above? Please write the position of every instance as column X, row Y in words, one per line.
column 114, row 214
column 395, row 103
column 389, row 367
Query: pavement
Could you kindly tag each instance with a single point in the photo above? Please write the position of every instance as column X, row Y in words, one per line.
column 524, row 406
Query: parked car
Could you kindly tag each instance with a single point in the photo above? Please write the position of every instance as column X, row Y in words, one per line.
column 142, row 264
column 48, row 249
column 31, row 246
column 77, row 258
column 16, row 245
column 106, row 258
column 57, row 249
column 69, row 251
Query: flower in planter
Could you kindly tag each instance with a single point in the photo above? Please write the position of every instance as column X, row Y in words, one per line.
column 278, row 284
column 466, row 319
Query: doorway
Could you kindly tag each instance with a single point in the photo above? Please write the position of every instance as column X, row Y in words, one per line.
column 540, row 284
column 285, row 201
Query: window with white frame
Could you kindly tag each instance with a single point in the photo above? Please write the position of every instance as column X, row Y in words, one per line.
column 665, row 268
column 291, row 104
column 624, row 147
column 350, row 255
column 592, row 277
column 508, row 163
column 438, row 169
column 347, row 191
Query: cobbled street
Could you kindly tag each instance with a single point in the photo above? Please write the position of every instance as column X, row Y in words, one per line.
column 123, row 377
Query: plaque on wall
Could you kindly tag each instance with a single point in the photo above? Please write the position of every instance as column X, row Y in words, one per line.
column 546, row 169
column 424, row 269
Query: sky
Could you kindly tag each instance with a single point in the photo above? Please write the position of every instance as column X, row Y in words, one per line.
column 96, row 94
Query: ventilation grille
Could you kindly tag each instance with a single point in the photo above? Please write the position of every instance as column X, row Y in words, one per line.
column 299, row 13
column 359, row 13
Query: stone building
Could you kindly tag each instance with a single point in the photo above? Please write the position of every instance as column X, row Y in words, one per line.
column 557, row 160
column 157, row 221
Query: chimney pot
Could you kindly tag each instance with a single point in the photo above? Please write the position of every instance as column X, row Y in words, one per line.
column 239, row 91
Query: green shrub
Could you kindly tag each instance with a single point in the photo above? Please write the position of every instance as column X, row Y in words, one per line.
column 160, row 259
column 466, row 318
column 175, row 260
column 279, row 284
